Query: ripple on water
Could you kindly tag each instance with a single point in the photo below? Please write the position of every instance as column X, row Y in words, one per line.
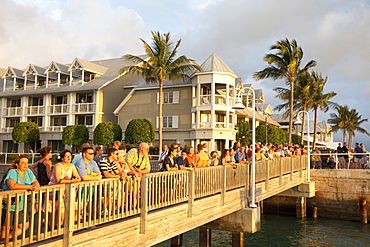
column 277, row 230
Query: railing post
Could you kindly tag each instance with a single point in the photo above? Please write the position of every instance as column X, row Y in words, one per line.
column 143, row 204
column 281, row 172
column 69, row 214
column 191, row 196
column 291, row 168
column 300, row 165
column 223, row 185
column 267, row 175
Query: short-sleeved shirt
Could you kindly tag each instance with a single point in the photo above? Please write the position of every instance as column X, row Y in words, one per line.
column 358, row 149
column 167, row 161
column 239, row 156
column 14, row 174
column 82, row 166
column 138, row 161
column 182, row 162
column 106, row 166
column 77, row 158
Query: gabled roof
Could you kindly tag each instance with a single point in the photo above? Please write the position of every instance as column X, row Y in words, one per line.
column 34, row 70
column 259, row 95
column 215, row 64
column 57, row 67
column 13, row 72
column 88, row 66
column 266, row 108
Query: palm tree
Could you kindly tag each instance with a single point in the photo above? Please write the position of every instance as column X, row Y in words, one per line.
column 285, row 64
column 162, row 63
column 340, row 121
column 302, row 96
column 355, row 120
column 320, row 100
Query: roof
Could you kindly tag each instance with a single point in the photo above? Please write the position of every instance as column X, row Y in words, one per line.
column 214, row 64
column 34, row 70
column 89, row 66
column 57, row 67
column 112, row 66
column 13, row 72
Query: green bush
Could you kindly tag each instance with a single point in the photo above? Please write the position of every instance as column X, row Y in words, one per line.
column 106, row 133
column 243, row 135
column 139, row 130
column 275, row 135
column 296, row 139
column 75, row 135
column 25, row 132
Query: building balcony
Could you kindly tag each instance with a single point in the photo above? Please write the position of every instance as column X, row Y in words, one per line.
column 35, row 110
column 216, row 125
column 83, row 107
column 12, row 111
column 220, row 100
column 7, row 129
column 54, row 128
column 55, row 109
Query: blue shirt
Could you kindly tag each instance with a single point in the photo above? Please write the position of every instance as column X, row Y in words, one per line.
column 82, row 166
column 29, row 177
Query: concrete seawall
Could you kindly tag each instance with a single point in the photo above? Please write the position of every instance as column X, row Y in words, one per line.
column 340, row 194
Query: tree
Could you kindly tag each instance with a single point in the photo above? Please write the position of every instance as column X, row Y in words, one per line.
column 244, row 133
column 354, row 125
column 139, row 130
column 285, row 64
column 275, row 135
column 25, row 132
column 340, row 121
column 75, row 135
column 303, row 91
column 106, row 133
column 320, row 100
column 160, row 65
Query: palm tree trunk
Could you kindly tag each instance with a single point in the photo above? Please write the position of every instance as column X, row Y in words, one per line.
column 303, row 122
column 350, row 139
column 315, row 129
column 291, row 98
column 344, row 135
column 160, row 114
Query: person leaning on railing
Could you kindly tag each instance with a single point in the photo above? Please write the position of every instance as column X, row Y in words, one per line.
column 170, row 161
column 138, row 159
column 42, row 168
column 63, row 172
column 17, row 177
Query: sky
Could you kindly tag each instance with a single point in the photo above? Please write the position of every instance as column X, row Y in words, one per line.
column 335, row 33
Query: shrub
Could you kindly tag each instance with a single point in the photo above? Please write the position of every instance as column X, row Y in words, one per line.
column 25, row 132
column 75, row 135
column 106, row 133
column 139, row 130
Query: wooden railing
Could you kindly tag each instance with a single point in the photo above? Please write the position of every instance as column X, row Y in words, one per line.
column 88, row 204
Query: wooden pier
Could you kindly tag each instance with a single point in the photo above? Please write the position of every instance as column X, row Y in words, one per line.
column 147, row 211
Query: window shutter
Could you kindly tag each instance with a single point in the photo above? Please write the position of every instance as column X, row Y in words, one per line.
column 176, row 97
column 157, row 98
column 175, row 121
column 157, row 122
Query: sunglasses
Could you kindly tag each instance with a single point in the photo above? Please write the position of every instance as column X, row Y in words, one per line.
column 91, row 153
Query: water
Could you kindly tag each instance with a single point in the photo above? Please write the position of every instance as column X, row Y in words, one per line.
column 278, row 230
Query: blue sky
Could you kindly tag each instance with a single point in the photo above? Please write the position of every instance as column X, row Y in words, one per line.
column 334, row 33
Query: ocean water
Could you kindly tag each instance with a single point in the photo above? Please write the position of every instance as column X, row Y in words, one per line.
column 278, row 230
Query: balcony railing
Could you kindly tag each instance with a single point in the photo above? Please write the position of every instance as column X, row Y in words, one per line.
column 7, row 129
column 12, row 111
column 83, row 107
column 220, row 100
column 35, row 110
column 55, row 128
column 58, row 109
column 216, row 125
column 220, row 125
column 205, row 100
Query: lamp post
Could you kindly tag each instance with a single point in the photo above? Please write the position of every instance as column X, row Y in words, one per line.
column 308, row 141
column 239, row 105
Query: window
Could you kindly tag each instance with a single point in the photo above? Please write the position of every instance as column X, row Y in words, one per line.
column 59, row 100
column 56, row 145
column 84, row 119
column 59, row 121
column 169, row 122
column 14, row 103
column 37, row 120
column 11, row 122
column 10, row 147
column 169, row 97
column 36, row 101
column 84, row 98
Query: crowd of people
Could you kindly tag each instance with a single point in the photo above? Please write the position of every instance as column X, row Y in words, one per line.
column 355, row 158
column 173, row 158
column 88, row 165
